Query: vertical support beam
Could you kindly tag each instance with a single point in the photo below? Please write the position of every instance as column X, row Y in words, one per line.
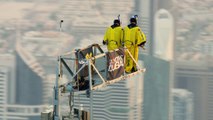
column 71, row 105
column 91, row 91
column 56, row 91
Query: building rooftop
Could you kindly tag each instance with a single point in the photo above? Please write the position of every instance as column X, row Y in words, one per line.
column 46, row 43
column 181, row 93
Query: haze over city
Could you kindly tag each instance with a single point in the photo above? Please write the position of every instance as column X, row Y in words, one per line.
column 178, row 55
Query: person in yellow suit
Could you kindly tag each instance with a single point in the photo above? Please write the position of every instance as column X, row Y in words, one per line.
column 133, row 39
column 113, row 36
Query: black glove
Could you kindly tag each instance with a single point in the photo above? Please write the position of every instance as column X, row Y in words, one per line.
column 104, row 43
column 142, row 44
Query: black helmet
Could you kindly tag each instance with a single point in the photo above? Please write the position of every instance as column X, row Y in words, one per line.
column 117, row 22
column 133, row 19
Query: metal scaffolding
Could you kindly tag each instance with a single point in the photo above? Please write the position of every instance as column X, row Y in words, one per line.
column 74, row 84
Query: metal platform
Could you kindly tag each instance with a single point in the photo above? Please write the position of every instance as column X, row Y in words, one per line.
column 88, row 71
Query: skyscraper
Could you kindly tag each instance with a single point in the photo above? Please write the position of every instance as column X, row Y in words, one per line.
column 193, row 66
column 4, row 74
column 146, row 10
column 8, row 107
column 36, row 55
column 158, row 79
column 7, row 83
column 8, row 65
column 182, row 104
column 29, row 78
column 157, row 86
column 164, row 35
column 196, row 76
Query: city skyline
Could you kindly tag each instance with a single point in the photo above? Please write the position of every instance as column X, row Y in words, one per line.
column 31, row 39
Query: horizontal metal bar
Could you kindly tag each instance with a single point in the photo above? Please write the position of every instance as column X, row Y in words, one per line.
column 125, row 76
column 98, row 56
column 99, row 86
column 96, row 87
column 118, row 79
column 66, row 58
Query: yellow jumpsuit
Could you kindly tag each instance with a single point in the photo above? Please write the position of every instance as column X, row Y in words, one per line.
column 113, row 37
column 132, row 38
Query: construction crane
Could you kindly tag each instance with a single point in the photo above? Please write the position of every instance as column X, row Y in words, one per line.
column 86, row 77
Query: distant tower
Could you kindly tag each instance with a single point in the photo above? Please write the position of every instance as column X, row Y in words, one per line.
column 7, row 64
column 159, row 76
column 182, row 104
column 164, row 35
column 7, row 83
column 4, row 74
column 197, row 77
column 8, row 88
column 29, row 78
